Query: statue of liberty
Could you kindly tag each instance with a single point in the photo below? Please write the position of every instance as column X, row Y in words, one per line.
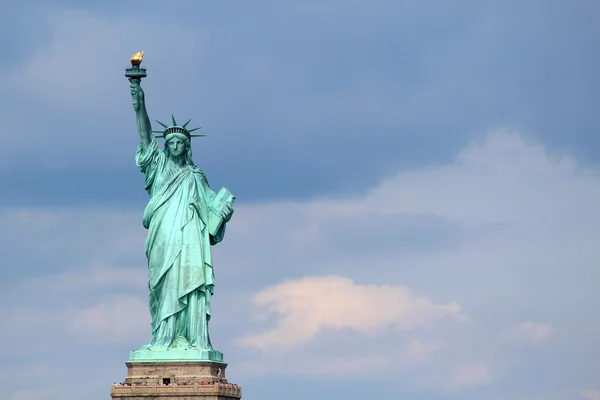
column 184, row 218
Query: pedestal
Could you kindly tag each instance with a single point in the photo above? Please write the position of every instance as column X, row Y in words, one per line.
column 175, row 380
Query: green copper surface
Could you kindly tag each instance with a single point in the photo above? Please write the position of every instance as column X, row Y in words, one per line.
column 189, row 354
column 184, row 218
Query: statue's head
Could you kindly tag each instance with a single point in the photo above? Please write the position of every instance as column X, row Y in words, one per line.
column 177, row 140
column 176, row 145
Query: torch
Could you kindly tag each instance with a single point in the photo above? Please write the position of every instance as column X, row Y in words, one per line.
column 136, row 73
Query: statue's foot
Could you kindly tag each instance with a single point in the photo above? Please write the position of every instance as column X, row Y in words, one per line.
column 180, row 343
column 201, row 346
column 146, row 347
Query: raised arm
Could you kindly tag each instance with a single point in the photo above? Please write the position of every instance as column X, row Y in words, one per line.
column 141, row 115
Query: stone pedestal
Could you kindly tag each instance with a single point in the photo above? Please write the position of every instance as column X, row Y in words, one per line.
column 176, row 380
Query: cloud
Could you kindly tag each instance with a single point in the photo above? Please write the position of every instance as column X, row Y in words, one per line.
column 507, row 229
column 590, row 394
column 118, row 319
column 73, row 79
column 307, row 306
column 89, row 313
column 73, row 239
column 86, row 48
column 364, row 94
column 500, row 178
column 22, row 372
column 419, row 351
column 468, row 376
column 533, row 332
column 29, row 394
column 22, row 381
column 94, row 277
column 500, row 231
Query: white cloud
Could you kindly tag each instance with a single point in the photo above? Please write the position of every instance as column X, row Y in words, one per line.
column 307, row 306
column 22, row 372
column 590, row 394
column 22, row 381
column 32, row 394
column 507, row 231
column 468, row 376
column 533, row 332
column 82, row 240
column 92, row 277
column 501, row 178
column 516, row 224
column 118, row 319
column 419, row 351
column 458, row 376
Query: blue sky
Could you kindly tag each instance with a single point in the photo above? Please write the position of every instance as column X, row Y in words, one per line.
column 418, row 186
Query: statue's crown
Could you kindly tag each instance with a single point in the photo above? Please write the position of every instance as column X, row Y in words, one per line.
column 182, row 129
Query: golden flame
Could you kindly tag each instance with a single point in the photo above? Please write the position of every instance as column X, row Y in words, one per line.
column 136, row 59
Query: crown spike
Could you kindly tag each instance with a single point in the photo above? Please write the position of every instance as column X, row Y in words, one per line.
column 175, row 128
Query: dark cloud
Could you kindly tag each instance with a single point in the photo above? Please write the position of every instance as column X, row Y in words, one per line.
column 303, row 101
column 313, row 99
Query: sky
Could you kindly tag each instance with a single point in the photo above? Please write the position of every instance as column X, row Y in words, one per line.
column 417, row 183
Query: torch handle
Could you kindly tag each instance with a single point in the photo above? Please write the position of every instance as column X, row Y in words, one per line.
column 136, row 82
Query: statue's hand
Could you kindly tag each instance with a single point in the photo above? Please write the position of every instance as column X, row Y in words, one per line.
column 137, row 94
column 227, row 212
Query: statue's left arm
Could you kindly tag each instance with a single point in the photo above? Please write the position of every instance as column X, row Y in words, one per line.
column 224, row 214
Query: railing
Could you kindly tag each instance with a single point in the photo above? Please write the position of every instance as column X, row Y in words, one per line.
column 217, row 389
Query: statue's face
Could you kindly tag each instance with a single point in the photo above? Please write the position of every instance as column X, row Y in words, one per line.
column 177, row 147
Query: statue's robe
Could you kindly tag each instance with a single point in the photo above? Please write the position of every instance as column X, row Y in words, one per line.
column 181, row 277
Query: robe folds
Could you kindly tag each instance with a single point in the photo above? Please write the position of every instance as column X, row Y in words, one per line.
column 181, row 277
